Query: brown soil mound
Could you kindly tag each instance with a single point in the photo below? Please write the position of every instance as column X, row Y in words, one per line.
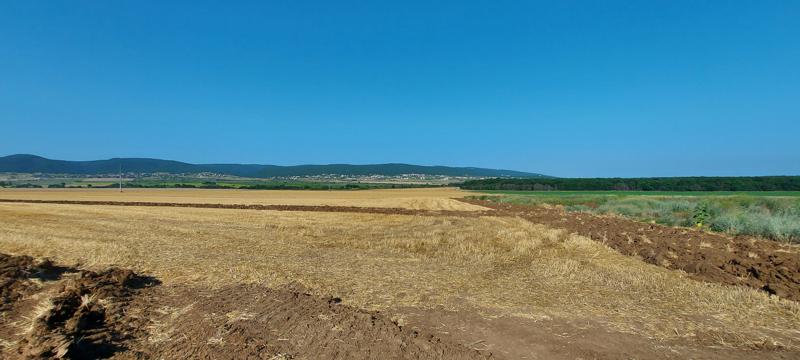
column 761, row 264
column 16, row 273
column 84, row 319
column 256, row 322
column 115, row 313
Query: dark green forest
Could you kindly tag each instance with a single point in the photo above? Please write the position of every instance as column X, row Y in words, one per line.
column 749, row 183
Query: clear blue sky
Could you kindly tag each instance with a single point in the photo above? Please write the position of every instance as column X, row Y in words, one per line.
column 567, row 88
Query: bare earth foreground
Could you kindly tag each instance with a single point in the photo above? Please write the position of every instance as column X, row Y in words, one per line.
column 449, row 280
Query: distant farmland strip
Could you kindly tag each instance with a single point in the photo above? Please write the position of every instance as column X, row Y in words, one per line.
column 318, row 208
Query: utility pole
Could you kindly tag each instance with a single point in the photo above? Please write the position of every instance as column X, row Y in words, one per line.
column 120, row 177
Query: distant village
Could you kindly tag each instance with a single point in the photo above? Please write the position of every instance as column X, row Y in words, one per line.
column 100, row 180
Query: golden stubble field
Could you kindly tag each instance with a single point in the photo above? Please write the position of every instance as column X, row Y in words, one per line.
column 418, row 199
column 495, row 266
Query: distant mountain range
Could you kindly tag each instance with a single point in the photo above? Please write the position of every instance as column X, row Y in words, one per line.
column 24, row 163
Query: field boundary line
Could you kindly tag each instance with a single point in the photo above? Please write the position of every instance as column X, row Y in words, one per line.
column 263, row 207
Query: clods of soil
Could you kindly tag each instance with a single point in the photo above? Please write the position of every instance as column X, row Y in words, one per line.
column 85, row 320
column 115, row 313
column 760, row 264
column 79, row 315
column 17, row 274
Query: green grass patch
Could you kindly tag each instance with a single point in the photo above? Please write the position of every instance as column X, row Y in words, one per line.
column 642, row 193
column 770, row 216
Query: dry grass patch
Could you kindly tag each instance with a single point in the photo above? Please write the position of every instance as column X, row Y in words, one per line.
column 504, row 265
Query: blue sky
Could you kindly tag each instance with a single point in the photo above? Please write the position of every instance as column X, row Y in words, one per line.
column 567, row 88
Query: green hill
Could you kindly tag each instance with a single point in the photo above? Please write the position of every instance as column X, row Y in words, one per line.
column 23, row 163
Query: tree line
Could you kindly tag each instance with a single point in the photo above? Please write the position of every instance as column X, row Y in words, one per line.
column 745, row 183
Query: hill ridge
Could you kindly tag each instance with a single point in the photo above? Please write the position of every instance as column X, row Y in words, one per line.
column 29, row 163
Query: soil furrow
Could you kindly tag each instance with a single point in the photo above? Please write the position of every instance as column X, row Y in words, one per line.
column 764, row 265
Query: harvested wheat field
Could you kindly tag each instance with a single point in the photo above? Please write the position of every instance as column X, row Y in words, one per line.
column 236, row 283
column 419, row 199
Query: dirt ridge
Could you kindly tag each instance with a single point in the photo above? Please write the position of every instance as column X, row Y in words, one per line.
column 16, row 273
column 764, row 265
column 84, row 318
column 116, row 313
column 73, row 313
